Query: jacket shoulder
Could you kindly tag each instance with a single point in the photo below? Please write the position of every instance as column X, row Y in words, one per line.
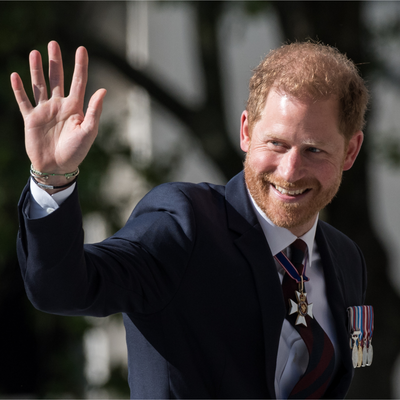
column 336, row 237
column 179, row 197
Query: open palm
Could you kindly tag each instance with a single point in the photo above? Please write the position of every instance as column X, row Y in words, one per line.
column 58, row 134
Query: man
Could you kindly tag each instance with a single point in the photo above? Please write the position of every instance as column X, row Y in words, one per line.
column 199, row 271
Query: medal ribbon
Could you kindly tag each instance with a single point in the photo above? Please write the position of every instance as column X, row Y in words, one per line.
column 370, row 323
column 360, row 322
column 366, row 325
column 290, row 268
column 361, row 318
column 355, row 323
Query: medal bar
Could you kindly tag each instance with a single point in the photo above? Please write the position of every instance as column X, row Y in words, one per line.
column 361, row 328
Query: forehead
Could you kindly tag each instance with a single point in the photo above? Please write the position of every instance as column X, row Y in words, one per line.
column 279, row 98
column 284, row 113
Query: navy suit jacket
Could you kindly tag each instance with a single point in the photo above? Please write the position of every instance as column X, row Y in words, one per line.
column 194, row 276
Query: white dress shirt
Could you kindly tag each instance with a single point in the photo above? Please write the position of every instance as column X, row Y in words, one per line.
column 292, row 357
column 42, row 203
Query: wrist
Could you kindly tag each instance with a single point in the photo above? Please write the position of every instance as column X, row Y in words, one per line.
column 53, row 182
column 51, row 187
column 48, row 175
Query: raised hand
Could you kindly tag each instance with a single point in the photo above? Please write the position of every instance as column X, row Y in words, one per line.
column 58, row 135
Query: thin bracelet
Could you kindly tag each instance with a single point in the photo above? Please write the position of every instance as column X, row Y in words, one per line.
column 46, row 175
column 51, row 187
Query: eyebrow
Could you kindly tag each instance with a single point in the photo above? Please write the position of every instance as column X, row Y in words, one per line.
column 308, row 142
column 316, row 143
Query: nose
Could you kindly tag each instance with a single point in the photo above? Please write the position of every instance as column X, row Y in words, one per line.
column 292, row 166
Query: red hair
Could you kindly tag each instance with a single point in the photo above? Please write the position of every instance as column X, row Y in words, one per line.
column 313, row 71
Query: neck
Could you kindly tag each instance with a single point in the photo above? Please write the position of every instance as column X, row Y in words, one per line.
column 304, row 228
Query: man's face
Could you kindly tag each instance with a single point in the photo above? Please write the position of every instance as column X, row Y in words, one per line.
column 295, row 158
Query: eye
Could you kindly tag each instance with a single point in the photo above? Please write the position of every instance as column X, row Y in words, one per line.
column 313, row 150
column 276, row 143
column 276, row 146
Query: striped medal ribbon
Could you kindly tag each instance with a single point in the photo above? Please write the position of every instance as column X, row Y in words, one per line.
column 290, row 268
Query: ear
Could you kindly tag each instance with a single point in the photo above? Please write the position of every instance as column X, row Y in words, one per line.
column 244, row 132
column 353, row 148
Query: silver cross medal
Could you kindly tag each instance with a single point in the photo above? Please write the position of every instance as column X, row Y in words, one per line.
column 301, row 307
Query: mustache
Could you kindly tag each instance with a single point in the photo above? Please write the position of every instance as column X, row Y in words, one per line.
column 270, row 178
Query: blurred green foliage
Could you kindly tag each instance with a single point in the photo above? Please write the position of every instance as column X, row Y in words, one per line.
column 42, row 354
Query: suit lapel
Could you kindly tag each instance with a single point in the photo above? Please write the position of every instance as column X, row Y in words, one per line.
column 253, row 245
column 336, row 298
column 251, row 242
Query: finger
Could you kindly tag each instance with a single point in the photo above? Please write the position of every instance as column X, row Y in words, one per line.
column 24, row 104
column 38, row 83
column 56, row 70
column 93, row 112
column 79, row 78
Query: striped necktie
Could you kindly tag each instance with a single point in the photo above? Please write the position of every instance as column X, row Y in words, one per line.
column 315, row 381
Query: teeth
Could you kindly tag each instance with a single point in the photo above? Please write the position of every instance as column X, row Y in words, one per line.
column 289, row 192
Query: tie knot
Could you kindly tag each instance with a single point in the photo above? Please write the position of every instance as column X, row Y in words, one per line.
column 298, row 251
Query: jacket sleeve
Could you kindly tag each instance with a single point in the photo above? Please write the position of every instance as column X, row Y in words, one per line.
column 137, row 270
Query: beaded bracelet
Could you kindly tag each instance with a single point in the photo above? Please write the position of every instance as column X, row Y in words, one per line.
column 45, row 175
column 51, row 187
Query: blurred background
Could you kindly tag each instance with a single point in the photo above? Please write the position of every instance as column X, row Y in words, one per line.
column 177, row 76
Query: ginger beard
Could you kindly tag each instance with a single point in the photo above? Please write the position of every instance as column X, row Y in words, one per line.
column 283, row 214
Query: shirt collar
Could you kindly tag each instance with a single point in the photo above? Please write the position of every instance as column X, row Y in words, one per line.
column 279, row 238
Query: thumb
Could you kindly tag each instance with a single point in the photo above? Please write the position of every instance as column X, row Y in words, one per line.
column 93, row 112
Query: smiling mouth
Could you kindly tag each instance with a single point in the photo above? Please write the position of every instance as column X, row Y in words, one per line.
column 289, row 192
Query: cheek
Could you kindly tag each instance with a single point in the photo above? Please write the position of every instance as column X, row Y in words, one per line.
column 262, row 161
column 327, row 174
